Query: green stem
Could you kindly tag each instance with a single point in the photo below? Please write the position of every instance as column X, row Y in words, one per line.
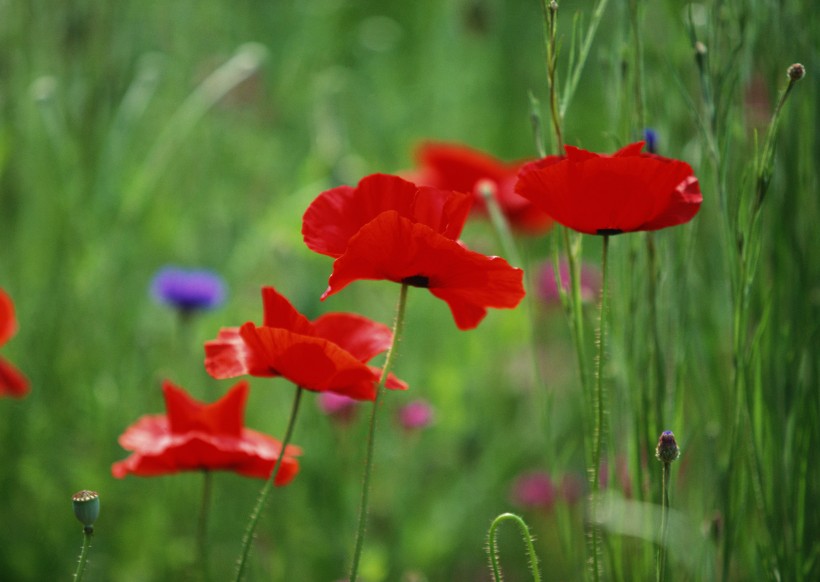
column 661, row 569
column 265, row 492
column 599, row 405
column 551, row 23
column 202, row 526
column 83, row 559
column 492, row 547
column 656, row 352
column 398, row 325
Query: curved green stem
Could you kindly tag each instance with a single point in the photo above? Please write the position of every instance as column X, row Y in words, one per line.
column 599, row 401
column 492, row 546
column 398, row 325
column 265, row 492
column 83, row 559
column 202, row 526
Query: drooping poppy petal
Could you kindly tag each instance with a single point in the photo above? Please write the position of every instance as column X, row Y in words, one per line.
column 330, row 354
column 12, row 381
column 337, row 214
column 310, row 362
column 361, row 337
column 456, row 167
column 625, row 192
column 197, row 436
column 394, row 248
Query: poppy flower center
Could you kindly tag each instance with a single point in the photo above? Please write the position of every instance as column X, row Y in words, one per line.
column 608, row 231
column 417, row 281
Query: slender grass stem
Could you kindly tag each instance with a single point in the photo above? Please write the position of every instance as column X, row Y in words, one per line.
column 600, row 411
column 492, row 546
column 265, row 492
column 202, row 526
column 83, row 559
column 661, row 571
column 551, row 25
column 398, row 325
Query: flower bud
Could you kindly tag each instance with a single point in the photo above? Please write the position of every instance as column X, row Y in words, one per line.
column 667, row 449
column 86, row 508
column 796, row 72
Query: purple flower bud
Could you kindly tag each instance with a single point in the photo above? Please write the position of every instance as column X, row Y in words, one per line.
column 667, row 449
column 416, row 415
column 188, row 290
column 650, row 136
column 534, row 490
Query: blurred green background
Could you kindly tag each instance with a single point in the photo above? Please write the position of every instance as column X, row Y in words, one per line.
column 139, row 134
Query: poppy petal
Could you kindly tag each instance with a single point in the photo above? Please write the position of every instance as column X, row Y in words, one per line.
column 310, row 362
column 12, row 381
column 225, row 416
column 625, row 192
column 361, row 337
column 279, row 312
column 208, row 442
column 228, row 356
column 8, row 323
column 392, row 247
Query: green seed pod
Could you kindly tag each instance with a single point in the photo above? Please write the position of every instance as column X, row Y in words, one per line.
column 87, row 508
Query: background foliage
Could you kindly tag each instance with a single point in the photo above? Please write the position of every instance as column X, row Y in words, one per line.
column 118, row 157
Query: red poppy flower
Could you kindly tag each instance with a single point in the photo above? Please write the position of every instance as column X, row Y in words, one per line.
column 388, row 228
column 329, row 354
column 602, row 194
column 12, row 382
column 459, row 168
column 196, row 436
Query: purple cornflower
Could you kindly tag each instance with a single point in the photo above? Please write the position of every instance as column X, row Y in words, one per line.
column 548, row 287
column 534, row 490
column 416, row 415
column 188, row 290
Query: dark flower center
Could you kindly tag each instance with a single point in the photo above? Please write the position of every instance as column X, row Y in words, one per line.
column 417, row 281
column 608, row 231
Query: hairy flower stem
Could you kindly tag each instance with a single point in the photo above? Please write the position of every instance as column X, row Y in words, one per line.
column 398, row 325
column 83, row 559
column 265, row 492
column 661, row 567
column 202, row 526
column 492, row 546
column 600, row 411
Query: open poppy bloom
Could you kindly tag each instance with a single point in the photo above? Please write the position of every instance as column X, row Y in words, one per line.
column 12, row 381
column 194, row 436
column 456, row 167
column 328, row 354
column 602, row 194
column 388, row 228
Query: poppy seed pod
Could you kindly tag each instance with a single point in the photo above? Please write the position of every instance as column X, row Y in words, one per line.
column 86, row 508
column 667, row 449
